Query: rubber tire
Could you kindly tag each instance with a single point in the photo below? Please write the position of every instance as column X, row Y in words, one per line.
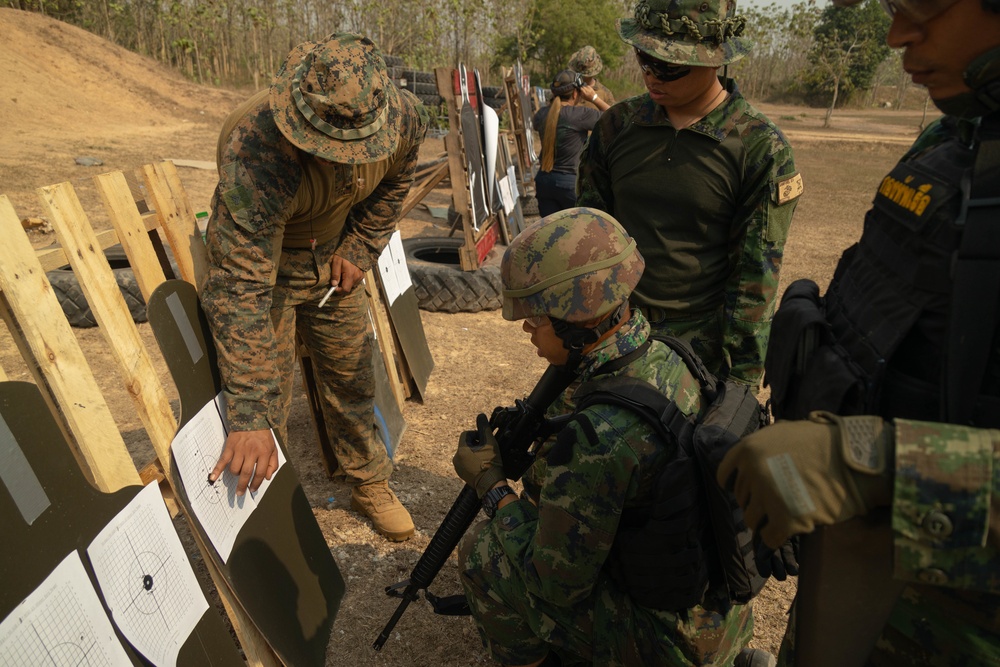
column 440, row 283
column 74, row 304
column 430, row 100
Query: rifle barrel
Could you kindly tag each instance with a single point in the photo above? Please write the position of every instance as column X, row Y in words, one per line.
column 465, row 508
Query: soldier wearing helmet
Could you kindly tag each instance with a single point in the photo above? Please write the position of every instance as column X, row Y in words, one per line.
column 312, row 176
column 704, row 182
column 541, row 573
column 895, row 414
column 587, row 63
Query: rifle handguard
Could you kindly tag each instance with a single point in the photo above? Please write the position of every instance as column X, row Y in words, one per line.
column 517, row 429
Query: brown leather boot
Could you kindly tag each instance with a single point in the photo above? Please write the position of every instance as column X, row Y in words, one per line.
column 377, row 502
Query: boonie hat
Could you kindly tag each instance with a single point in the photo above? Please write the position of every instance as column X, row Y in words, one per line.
column 334, row 100
column 701, row 33
column 586, row 62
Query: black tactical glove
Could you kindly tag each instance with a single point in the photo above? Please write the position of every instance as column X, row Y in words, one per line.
column 779, row 563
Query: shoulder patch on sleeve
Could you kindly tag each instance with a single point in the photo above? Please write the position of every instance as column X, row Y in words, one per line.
column 789, row 189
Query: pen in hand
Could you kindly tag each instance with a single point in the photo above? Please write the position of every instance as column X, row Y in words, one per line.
column 329, row 293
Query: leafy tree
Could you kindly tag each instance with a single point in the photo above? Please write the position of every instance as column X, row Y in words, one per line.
column 781, row 38
column 555, row 29
column 848, row 48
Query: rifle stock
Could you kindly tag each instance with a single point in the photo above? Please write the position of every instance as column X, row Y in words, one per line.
column 517, row 429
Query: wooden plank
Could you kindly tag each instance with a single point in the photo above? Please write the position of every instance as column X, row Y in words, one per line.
column 134, row 362
column 54, row 258
column 391, row 352
column 98, row 283
column 56, row 354
column 177, row 221
column 132, row 233
column 415, row 196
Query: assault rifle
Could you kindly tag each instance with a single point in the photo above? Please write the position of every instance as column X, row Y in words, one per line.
column 517, row 429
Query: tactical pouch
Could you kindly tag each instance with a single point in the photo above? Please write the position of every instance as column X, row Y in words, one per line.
column 805, row 367
column 735, row 413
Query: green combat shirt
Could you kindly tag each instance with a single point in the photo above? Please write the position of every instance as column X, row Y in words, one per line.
column 272, row 196
column 709, row 207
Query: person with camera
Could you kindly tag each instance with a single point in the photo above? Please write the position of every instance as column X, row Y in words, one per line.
column 564, row 125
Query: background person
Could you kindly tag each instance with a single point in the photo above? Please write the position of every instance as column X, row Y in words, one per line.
column 564, row 125
column 704, row 182
column 909, row 423
column 312, row 176
column 542, row 573
column 587, row 63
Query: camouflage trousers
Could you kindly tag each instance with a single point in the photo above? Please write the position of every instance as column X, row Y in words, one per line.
column 606, row 629
column 704, row 335
column 338, row 338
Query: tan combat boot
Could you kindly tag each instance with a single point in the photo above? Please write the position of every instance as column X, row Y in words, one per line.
column 377, row 502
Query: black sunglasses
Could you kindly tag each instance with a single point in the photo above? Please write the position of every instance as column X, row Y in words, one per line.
column 663, row 71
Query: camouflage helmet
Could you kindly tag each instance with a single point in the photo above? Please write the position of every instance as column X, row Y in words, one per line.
column 586, row 62
column 701, row 33
column 575, row 265
column 333, row 99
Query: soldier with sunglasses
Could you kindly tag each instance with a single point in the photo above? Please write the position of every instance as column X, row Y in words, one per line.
column 886, row 457
column 705, row 183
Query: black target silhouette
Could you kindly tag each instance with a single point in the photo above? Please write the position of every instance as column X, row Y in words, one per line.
column 146, row 573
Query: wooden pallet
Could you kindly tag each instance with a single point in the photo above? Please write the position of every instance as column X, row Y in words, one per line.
column 58, row 365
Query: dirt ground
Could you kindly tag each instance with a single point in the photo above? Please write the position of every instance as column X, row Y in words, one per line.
column 66, row 94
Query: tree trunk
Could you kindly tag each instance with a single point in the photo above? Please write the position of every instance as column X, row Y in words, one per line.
column 833, row 103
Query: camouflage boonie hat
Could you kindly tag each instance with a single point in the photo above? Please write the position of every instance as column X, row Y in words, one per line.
column 575, row 265
column 334, row 100
column 586, row 62
column 701, row 33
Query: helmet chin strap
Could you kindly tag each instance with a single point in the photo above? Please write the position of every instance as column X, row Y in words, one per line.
column 576, row 338
column 983, row 77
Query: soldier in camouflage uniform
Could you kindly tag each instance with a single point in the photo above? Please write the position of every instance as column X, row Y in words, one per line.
column 537, row 572
column 312, row 175
column 704, row 182
column 906, row 431
column 587, row 63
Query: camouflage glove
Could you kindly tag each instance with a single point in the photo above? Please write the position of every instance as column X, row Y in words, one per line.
column 796, row 475
column 477, row 460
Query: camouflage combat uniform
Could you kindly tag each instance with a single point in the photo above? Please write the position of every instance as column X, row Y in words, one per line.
column 946, row 497
column 535, row 574
column 278, row 216
column 710, row 207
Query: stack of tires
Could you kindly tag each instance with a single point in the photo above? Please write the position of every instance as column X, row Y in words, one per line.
column 424, row 84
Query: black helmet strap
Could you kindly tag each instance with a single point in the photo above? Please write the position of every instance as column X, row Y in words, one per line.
column 575, row 338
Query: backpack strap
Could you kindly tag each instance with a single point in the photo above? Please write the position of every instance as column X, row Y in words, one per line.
column 709, row 383
column 639, row 397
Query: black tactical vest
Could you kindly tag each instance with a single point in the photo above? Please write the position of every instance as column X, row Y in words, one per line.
column 874, row 344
